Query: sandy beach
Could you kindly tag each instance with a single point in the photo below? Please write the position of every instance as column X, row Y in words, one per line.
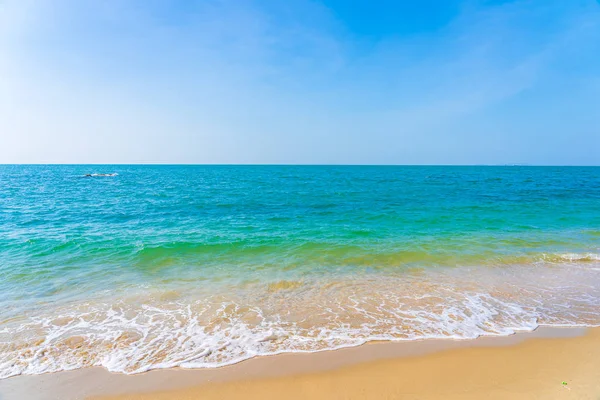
column 304, row 199
column 546, row 364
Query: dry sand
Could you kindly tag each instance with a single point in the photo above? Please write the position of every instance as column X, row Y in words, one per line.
column 524, row 366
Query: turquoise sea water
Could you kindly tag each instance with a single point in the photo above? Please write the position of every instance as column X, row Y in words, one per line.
column 201, row 266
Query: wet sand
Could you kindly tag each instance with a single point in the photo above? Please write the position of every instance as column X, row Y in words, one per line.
column 523, row 366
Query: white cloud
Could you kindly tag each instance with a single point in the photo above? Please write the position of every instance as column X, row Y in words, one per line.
column 233, row 82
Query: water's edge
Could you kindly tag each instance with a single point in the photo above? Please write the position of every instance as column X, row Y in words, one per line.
column 97, row 381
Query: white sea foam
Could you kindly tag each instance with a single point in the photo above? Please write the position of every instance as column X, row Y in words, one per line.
column 579, row 256
column 143, row 332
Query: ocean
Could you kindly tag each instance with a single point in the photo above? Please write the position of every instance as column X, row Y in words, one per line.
column 141, row 267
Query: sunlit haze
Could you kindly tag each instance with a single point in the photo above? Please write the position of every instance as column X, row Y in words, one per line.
column 298, row 81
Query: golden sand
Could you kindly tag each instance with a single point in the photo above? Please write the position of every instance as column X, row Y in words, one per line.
column 538, row 368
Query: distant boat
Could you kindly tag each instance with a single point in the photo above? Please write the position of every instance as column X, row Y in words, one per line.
column 95, row 175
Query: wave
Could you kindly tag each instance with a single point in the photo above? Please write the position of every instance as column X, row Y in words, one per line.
column 282, row 250
column 189, row 328
column 572, row 257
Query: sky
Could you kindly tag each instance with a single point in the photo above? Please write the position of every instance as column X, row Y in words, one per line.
column 300, row 81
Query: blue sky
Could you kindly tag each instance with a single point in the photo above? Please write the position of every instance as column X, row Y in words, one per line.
column 299, row 81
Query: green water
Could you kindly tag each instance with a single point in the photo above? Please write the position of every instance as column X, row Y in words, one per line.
column 309, row 257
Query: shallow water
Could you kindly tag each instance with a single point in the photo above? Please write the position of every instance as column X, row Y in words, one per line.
column 140, row 267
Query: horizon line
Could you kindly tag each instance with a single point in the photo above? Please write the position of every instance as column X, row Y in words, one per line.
column 307, row 164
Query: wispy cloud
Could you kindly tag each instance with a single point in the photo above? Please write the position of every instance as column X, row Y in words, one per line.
column 244, row 81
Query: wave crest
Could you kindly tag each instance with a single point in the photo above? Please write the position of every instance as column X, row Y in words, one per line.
column 163, row 329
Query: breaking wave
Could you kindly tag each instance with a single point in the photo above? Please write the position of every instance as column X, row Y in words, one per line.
column 181, row 328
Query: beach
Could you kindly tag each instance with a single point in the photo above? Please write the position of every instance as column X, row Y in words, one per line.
column 304, row 199
column 550, row 363
column 137, row 271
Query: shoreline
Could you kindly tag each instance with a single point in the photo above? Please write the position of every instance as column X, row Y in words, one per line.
column 263, row 376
